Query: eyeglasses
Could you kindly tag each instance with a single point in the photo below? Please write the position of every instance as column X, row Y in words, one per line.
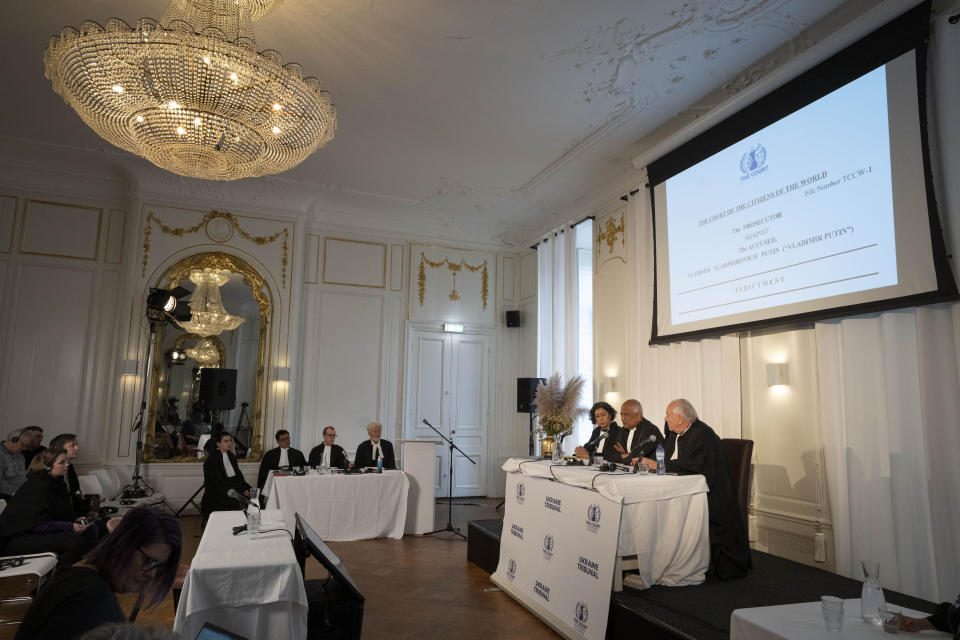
column 150, row 564
column 329, row 435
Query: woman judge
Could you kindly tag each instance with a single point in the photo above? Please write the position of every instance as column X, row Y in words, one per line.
column 220, row 474
column 140, row 556
column 602, row 415
column 40, row 515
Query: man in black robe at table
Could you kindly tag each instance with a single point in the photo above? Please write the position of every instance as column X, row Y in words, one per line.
column 692, row 447
column 638, row 436
column 369, row 451
column 282, row 456
column 328, row 454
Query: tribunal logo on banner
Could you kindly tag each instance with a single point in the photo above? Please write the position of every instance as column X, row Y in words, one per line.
column 557, row 553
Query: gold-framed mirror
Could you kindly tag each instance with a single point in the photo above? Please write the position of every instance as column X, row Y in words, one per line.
column 178, row 418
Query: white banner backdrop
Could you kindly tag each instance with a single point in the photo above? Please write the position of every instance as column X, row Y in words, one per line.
column 557, row 553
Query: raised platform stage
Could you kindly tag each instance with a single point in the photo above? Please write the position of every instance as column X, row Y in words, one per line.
column 700, row 612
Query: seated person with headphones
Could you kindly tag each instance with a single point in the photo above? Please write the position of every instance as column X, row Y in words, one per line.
column 40, row 516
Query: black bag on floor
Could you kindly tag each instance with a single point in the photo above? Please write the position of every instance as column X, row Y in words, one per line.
column 333, row 611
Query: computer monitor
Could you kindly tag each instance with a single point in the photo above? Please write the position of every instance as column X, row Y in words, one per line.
column 335, row 602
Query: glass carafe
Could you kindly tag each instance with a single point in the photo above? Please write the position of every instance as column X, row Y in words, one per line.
column 871, row 597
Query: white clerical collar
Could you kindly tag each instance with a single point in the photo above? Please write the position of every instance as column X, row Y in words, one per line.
column 284, row 457
column 326, row 455
column 227, row 467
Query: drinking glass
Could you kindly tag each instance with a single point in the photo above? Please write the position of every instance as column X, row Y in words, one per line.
column 832, row 612
column 890, row 618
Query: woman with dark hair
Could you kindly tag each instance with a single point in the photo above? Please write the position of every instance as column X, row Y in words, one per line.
column 220, row 474
column 602, row 415
column 40, row 515
column 140, row 556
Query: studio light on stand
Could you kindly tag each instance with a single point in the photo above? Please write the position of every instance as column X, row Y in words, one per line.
column 161, row 306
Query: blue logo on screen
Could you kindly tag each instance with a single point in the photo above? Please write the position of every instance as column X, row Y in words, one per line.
column 753, row 159
column 521, row 490
column 753, row 162
column 511, row 569
column 580, row 615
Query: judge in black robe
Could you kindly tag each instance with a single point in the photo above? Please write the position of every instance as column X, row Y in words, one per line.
column 217, row 482
column 271, row 459
column 645, row 435
column 699, row 451
column 602, row 415
column 367, row 454
column 338, row 457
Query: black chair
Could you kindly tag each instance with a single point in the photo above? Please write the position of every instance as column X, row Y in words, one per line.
column 739, row 453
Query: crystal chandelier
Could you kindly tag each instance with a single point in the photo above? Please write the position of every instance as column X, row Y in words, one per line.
column 205, row 352
column 207, row 315
column 191, row 94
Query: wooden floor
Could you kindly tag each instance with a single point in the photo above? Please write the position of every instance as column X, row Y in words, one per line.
column 417, row 587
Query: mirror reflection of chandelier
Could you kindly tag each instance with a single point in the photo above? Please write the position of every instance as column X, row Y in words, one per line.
column 191, row 94
column 205, row 352
column 207, row 315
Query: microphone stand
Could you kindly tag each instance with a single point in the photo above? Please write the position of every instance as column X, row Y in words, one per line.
column 452, row 446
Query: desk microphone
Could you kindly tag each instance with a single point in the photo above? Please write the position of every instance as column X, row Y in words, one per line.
column 236, row 495
column 652, row 438
column 603, row 435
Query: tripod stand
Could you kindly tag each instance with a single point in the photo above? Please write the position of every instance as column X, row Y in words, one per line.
column 138, row 485
column 243, row 446
column 452, row 446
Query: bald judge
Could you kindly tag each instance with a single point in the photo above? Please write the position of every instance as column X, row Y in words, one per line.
column 638, row 436
column 692, row 447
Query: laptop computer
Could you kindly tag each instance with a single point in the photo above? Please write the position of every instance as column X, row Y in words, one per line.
column 213, row 632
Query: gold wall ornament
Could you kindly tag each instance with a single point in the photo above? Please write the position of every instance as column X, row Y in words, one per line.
column 610, row 234
column 454, row 268
column 179, row 232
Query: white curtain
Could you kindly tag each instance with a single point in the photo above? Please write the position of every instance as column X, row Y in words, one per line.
column 706, row 372
column 558, row 330
column 890, row 402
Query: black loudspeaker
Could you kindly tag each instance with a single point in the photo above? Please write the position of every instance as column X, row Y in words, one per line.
column 218, row 388
column 513, row 318
column 526, row 391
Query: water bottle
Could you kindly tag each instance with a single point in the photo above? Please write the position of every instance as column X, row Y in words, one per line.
column 379, row 465
column 661, row 463
column 253, row 515
column 871, row 597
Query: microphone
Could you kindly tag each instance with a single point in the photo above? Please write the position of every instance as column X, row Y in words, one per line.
column 236, row 495
column 652, row 438
column 603, row 435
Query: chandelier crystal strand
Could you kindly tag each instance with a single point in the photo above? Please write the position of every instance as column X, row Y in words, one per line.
column 205, row 352
column 207, row 315
column 191, row 94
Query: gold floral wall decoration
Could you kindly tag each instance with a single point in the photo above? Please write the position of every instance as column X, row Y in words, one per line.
column 454, row 268
column 207, row 218
column 610, row 233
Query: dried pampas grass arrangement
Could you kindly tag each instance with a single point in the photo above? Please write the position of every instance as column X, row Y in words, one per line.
column 558, row 405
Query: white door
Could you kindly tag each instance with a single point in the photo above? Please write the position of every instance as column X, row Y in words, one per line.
column 447, row 385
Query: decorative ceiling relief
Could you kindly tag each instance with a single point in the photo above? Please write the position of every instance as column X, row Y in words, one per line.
column 611, row 238
column 453, row 285
column 219, row 227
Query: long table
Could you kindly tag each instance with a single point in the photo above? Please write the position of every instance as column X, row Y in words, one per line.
column 343, row 507
column 564, row 527
column 253, row 588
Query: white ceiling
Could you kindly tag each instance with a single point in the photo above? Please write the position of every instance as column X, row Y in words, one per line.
column 483, row 118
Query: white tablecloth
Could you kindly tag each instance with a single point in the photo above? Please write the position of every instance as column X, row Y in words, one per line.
column 253, row 588
column 343, row 507
column 665, row 519
column 804, row 621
